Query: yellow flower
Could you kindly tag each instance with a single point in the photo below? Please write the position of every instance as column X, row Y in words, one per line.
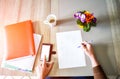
column 80, row 26
column 87, row 12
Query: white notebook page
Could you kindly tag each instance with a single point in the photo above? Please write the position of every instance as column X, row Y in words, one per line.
column 69, row 53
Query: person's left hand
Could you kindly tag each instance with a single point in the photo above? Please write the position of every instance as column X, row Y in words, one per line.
column 44, row 68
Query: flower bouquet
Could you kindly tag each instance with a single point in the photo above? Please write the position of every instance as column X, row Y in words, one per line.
column 85, row 20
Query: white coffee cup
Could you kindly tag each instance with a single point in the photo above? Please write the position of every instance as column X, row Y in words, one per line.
column 51, row 20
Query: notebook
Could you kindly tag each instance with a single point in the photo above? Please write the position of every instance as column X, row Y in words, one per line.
column 23, row 63
column 19, row 40
column 70, row 55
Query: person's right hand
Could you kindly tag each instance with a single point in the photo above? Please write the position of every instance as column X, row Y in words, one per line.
column 88, row 49
column 44, row 68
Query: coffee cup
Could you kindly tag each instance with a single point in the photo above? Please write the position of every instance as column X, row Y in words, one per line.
column 50, row 20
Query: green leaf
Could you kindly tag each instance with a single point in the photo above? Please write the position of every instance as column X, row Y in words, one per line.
column 93, row 24
column 79, row 22
column 87, row 28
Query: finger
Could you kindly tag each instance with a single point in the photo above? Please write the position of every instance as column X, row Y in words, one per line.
column 50, row 65
column 44, row 58
column 85, row 42
column 83, row 46
column 44, row 61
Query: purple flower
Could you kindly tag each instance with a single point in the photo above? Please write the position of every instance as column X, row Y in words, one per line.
column 94, row 20
column 77, row 15
column 82, row 18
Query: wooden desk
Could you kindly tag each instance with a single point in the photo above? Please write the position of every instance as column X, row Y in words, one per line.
column 21, row 10
column 106, row 38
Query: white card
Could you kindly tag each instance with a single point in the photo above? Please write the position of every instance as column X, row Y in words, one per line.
column 69, row 54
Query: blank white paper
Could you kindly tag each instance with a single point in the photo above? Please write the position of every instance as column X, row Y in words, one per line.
column 69, row 53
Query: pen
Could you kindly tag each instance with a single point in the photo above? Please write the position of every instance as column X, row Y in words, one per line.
column 91, row 41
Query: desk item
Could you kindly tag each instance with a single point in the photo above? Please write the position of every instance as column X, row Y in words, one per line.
column 69, row 55
column 19, row 40
column 23, row 63
column 46, row 50
column 85, row 20
column 51, row 20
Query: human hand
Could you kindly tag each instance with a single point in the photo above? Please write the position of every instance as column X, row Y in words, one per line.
column 43, row 69
column 88, row 49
